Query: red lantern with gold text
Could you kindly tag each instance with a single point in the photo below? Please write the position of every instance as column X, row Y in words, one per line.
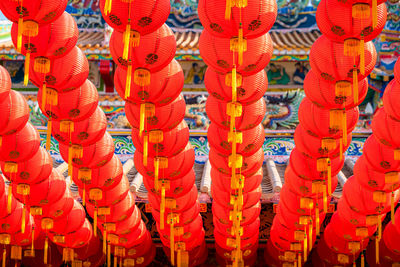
column 391, row 96
column 5, row 83
column 15, row 113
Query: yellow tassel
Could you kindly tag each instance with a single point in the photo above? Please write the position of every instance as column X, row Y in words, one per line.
column 376, row 251
column 27, row 63
column 392, row 208
column 115, row 261
column 162, row 208
column 1, row 141
column 374, row 13
column 241, row 47
column 361, row 11
column 70, row 161
column 41, row 65
column 342, row 88
column 9, row 199
column 44, row 95
column 310, row 236
column 328, row 144
column 31, row 28
column 329, row 178
column 145, row 149
column 397, row 154
column 234, row 84
column 228, row 9
column 172, row 242
column 362, row 56
column 362, row 260
column 20, row 31
column 341, row 148
column 325, row 200
column 305, row 249
column 46, row 248
column 48, row 136
column 379, row 227
column 344, row 127
column 299, row 261
column 142, row 77
column 156, row 173
column 317, row 227
column 67, row 126
column 142, row 118
column 128, row 83
column 127, row 38
column 108, row 255
column 84, row 195
column 105, row 242
column 95, row 222
column 33, row 242
column 355, row 84
column 335, row 118
column 23, row 221
column 3, row 264
column 351, row 47
column 107, row 7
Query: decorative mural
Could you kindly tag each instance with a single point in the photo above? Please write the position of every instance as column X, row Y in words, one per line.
column 87, row 14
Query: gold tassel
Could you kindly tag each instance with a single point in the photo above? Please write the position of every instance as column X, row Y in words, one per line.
column 33, row 242
column 374, row 13
column 145, row 149
column 67, row 126
column 95, row 222
column 48, row 136
column 329, row 178
column 27, row 63
column 108, row 255
column 376, row 250
column 142, row 77
column 344, row 127
column 310, row 236
column 127, row 38
column 4, row 257
column 241, row 47
column 23, row 221
column 156, row 173
column 107, row 7
column 20, row 31
column 328, row 144
column 325, row 200
column 317, row 227
column 105, row 242
column 9, row 198
column 162, row 208
column 142, row 118
column 379, row 227
column 228, row 9
column 299, row 260
column 362, row 56
column 362, row 260
column 335, row 118
column 172, row 242
column 351, row 47
column 234, row 84
column 341, row 148
column 115, row 261
column 46, row 248
column 84, row 195
column 128, row 83
column 397, row 154
column 44, row 95
column 355, row 84
column 70, row 161
column 305, row 252
column 361, row 11
column 41, row 65
column 342, row 88
column 392, row 208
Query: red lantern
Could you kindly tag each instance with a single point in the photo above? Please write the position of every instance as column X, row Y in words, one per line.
column 223, row 182
column 5, row 83
column 11, row 223
column 15, row 113
column 185, row 217
column 333, row 258
column 156, row 50
column 99, row 197
column 34, row 170
column 72, row 222
column 391, row 96
column 336, row 22
column 85, row 132
column 252, row 140
column 380, row 157
column 299, row 203
column 91, row 249
column 326, row 123
column 75, row 240
column 75, row 105
column 162, row 144
column 224, row 197
column 323, row 93
column 255, row 19
column 66, row 73
column 142, row 17
column 176, row 187
column 390, row 238
column 385, row 129
column 374, row 180
column 249, row 88
column 4, row 202
column 355, row 218
column 330, row 62
column 250, row 164
column 92, row 156
column 342, row 245
column 170, row 168
column 165, row 85
column 252, row 229
column 248, row 215
column 251, row 115
column 344, row 229
column 125, row 226
column 138, row 236
column 105, row 177
column 151, row 117
column 222, row 242
column 20, row 146
column 216, row 53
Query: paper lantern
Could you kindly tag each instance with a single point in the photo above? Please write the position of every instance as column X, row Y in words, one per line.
column 223, row 182
column 20, row 146
column 34, row 170
column 72, row 222
column 85, row 132
column 396, row 71
column 66, row 73
column 74, row 240
column 391, row 96
column 216, row 53
column 252, row 140
column 156, row 51
column 380, row 157
column 249, row 88
column 348, row 231
column 15, row 113
column 4, row 200
column 255, row 19
column 299, row 203
column 330, row 257
column 248, row 215
column 185, row 217
column 323, row 93
column 252, row 229
column 165, row 85
column 75, row 105
column 385, row 129
column 125, row 226
column 341, row 245
column 246, row 117
column 224, row 197
column 11, row 223
column 5, row 83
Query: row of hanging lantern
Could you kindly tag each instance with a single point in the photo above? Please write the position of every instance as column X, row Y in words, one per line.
column 340, row 61
column 150, row 80
column 34, row 183
column 70, row 102
column 236, row 47
column 371, row 193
